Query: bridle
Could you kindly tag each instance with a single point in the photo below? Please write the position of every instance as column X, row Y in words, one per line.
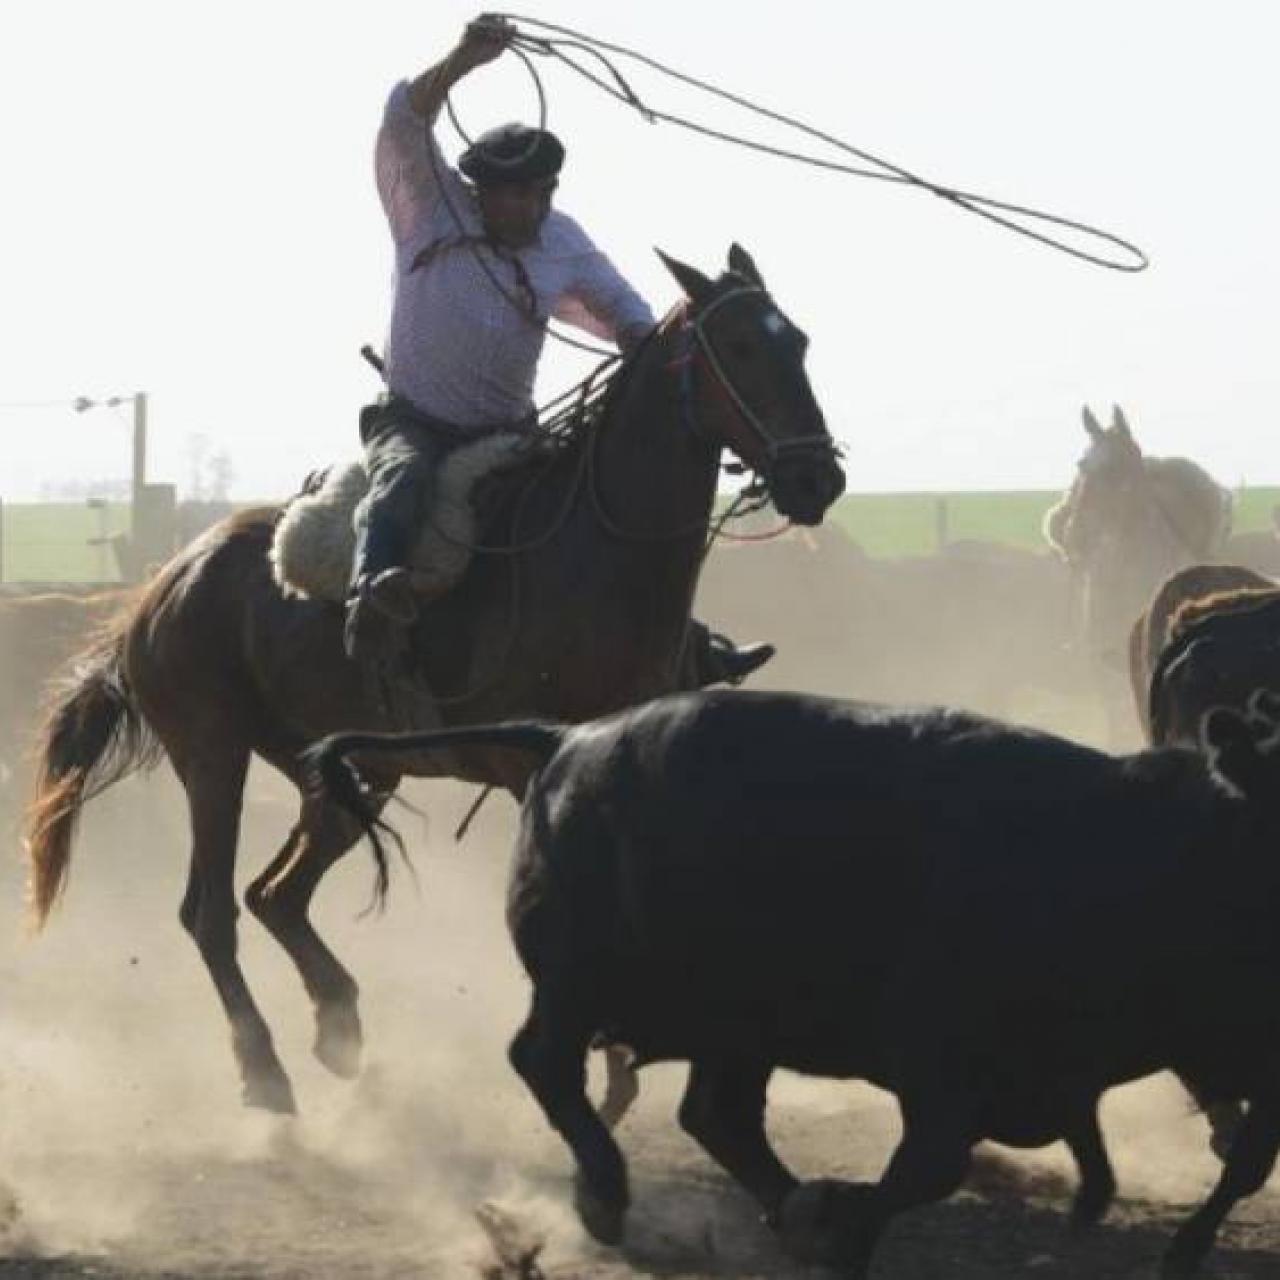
column 774, row 450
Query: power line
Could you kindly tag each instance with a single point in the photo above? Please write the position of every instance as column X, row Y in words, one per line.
column 67, row 403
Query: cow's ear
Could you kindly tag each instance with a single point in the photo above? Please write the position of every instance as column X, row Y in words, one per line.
column 695, row 285
column 741, row 263
column 1231, row 748
column 1091, row 424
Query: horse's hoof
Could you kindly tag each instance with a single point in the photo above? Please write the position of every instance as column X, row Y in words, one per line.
column 605, row 1222
column 339, row 1041
column 271, row 1093
column 818, row 1225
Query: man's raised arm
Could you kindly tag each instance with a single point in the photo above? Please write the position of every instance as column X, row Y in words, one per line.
column 484, row 40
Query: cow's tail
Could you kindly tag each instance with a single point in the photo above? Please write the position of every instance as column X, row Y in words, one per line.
column 93, row 736
column 329, row 773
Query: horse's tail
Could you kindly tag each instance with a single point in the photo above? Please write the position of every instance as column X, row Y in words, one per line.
column 93, row 736
column 328, row 772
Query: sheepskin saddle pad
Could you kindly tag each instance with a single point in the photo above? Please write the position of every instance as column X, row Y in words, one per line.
column 315, row 539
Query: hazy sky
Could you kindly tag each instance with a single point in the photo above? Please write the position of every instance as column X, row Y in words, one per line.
column 189, row 210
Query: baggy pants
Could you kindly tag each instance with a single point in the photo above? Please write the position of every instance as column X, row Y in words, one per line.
column 403, row 451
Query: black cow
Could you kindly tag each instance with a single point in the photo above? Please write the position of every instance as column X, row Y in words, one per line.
column 995, row 924
column 1221, row 649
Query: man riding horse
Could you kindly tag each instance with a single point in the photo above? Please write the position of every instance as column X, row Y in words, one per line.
column 478, row 270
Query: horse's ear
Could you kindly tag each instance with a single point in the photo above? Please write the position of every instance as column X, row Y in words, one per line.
column 741, row 263
column 695, row 285
column 1119, row 422
column 1091, row 424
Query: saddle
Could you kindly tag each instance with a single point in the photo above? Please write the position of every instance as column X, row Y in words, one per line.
column 314, row 541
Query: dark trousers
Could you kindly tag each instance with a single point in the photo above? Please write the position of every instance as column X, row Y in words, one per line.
column 403, row 450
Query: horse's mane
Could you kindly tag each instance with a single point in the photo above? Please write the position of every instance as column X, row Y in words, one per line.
column 1198, row 508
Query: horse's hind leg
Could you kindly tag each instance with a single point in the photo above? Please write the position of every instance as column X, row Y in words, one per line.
column 280, row 898
column 215, row 790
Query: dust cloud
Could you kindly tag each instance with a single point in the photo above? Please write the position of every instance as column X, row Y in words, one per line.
column 124, row 1151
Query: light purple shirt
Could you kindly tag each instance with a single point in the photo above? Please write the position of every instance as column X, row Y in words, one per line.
column 456, row 347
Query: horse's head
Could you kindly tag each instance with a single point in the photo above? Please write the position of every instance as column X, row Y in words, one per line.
column 1110, row 479
column 746, row 388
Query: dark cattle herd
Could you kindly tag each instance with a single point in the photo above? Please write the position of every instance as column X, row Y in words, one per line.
column 995, row 924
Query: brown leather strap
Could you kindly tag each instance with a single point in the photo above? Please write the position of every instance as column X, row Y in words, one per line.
column 425, row 257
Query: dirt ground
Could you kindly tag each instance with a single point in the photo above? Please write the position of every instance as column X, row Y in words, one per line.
column 124, row 1151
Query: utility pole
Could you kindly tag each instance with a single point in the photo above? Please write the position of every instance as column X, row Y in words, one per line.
column 151, row 508
column 139, row 468
column 139, row 452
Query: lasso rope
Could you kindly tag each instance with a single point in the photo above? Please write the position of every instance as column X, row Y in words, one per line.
column 1013, row 217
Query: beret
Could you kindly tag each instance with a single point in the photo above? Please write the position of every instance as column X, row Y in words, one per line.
column 512, row 153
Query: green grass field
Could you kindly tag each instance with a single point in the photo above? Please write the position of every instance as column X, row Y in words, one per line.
column 898, row 524
column 50, row 542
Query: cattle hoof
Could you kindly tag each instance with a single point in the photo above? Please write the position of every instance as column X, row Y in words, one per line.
column 1090, row 1207
column 1177, row 1266
column 605, row 1222
column 818, row 1225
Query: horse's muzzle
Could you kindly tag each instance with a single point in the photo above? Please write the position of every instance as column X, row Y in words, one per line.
column 803, row 487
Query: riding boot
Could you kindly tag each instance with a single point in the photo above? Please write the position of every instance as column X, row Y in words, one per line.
column 380, row 602
column 712, row 658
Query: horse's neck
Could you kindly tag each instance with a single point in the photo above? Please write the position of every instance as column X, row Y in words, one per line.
column 1151, row 533
column 1140, row 549
column 652, row 475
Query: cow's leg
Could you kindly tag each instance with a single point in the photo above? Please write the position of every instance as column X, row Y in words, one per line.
column 280, row 898
column 723, row 1109
column 621, row 1087
column 840, row 1223
column 215, row 790
column 1097, row 1179
column 550, row 1054
column 1247, row 1167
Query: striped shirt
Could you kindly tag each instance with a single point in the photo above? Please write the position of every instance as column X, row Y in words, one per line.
column 457, row 348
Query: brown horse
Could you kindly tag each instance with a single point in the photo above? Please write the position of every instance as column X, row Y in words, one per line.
column 1164, row 617
column 1126, row 523
column 216, row 664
